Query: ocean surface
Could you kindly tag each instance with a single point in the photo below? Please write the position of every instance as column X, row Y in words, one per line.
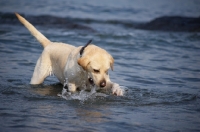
column 159, row 69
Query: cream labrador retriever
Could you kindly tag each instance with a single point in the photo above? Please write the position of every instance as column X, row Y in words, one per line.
column 80, row 68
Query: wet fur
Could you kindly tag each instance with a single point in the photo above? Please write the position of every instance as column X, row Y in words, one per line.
column 71, row 69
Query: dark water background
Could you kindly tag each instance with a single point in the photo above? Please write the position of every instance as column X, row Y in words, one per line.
column 159, row 69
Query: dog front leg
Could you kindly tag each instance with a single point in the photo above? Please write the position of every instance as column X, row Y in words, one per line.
column 71, row 87
column 117, row 90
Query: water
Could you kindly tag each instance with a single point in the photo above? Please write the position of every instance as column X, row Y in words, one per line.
column 159, row 69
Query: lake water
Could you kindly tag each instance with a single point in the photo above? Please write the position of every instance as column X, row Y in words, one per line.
column 160, row 70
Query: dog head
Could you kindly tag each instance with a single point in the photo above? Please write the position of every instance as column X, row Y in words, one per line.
column 97, row 62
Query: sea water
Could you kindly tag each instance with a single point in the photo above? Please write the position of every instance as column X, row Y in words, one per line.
column 159, row 69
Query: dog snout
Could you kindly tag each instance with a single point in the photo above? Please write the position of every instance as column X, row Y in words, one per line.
column 103, row 83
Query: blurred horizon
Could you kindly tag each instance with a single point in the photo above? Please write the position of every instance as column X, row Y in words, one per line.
column 139, row 10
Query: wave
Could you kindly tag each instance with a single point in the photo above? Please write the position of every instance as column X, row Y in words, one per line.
column 164, row 23
column 173, row 23
column 44, row 20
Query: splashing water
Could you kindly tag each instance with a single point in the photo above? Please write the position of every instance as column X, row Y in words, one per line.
column 85, row 95
column 82, row 95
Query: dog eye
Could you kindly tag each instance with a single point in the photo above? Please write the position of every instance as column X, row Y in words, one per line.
column 96, row 71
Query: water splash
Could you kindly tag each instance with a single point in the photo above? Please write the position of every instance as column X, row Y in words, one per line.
column 51, row 74
column 82, row 95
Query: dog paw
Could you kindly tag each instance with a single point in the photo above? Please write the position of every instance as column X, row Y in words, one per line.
column 71, row 87
column 116, row 90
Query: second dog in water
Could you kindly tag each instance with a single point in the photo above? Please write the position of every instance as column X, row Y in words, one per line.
column 77, row 67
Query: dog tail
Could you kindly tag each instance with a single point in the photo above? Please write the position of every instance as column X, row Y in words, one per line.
column 39, row 36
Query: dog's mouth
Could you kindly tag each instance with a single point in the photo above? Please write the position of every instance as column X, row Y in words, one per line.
column 91, row 81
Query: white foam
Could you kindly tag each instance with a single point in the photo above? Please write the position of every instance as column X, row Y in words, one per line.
column 85, row 95
column 82, row 95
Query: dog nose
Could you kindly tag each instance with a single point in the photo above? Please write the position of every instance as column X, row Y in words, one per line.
column 103, row 83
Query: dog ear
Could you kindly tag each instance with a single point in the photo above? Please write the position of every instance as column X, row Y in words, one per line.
column 83, row 62
column 111, row 63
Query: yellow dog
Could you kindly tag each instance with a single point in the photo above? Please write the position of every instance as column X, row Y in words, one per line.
column 80, row 68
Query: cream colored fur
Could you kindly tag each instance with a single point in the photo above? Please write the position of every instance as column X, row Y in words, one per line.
column 64, row 61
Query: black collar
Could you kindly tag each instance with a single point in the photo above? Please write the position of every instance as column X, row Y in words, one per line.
column 82, row 49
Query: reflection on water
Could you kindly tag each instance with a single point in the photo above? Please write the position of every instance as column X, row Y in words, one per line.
column 91, row 116
column 47, row 90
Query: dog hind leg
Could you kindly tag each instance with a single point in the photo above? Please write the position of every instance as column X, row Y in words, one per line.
column 42, row 69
